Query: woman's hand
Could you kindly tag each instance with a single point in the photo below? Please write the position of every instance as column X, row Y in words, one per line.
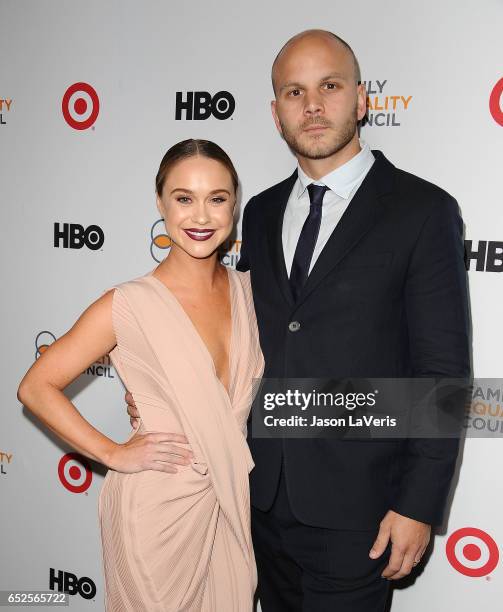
column 150, row 451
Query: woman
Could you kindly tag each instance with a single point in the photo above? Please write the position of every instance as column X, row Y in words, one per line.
column 184, row 341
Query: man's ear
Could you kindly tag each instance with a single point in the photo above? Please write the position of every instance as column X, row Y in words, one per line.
column 361, row 102
column 275, row 117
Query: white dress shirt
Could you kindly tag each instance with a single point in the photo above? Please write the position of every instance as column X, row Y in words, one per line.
column 342, row 183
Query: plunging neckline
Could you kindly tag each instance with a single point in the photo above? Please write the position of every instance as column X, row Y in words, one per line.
column 198, row 335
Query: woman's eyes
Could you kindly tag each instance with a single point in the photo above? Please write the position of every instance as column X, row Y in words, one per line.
column 187, row 200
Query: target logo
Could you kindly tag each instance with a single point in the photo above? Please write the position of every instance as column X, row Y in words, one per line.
column 472, row 552
column 80, row 106
column 42, row 342
column 75, row 473
column 160, row 242
column 495, row 105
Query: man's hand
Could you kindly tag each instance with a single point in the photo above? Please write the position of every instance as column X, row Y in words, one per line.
column 132, row 411
column 409, row 539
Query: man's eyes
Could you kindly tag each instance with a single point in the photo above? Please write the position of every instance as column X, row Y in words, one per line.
column 294, row 93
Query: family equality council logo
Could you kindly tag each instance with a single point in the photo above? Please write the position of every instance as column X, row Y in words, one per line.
column 5, row 107
column 385, row 108
column 101, row 368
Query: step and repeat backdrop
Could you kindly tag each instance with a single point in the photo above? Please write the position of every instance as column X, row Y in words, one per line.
column 91, row 96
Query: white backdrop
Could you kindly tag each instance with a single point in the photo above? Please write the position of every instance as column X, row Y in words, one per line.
column 442, row 60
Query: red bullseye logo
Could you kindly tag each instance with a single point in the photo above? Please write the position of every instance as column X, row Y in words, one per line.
column 80, row 106
column 75, row 473
column 495, row 105
column 472, row 552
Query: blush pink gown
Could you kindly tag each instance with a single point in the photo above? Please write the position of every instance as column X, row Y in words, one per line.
column 182, row 542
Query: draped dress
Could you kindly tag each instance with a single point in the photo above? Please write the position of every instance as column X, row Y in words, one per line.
column 182, row 542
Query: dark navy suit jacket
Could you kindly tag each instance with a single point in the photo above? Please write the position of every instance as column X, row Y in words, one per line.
column 387, row 297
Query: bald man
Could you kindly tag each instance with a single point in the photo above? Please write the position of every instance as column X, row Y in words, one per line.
column 357, row 271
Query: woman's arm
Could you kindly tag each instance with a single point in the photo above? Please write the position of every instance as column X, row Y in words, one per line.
column 41, row 391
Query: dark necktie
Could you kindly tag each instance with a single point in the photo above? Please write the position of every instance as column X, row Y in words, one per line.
column 307, row 239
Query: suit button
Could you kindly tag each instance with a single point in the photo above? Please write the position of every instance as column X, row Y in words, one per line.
column 294, row 326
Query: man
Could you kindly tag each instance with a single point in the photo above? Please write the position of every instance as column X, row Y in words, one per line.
column 357, row 271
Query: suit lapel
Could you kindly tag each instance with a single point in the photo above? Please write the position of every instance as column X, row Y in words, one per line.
column 274, row 227
column 359, row 217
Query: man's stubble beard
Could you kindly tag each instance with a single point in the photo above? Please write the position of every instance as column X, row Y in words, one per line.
column 321, row 150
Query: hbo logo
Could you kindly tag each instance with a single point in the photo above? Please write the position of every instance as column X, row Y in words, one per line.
column 66, row 582
column 488, row 256
column 74, row 236
column 201, row 105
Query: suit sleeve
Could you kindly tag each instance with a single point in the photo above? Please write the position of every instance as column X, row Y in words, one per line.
column 436, row 306
column 243, row 264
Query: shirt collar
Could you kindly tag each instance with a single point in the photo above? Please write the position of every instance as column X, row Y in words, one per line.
column 342, row 180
